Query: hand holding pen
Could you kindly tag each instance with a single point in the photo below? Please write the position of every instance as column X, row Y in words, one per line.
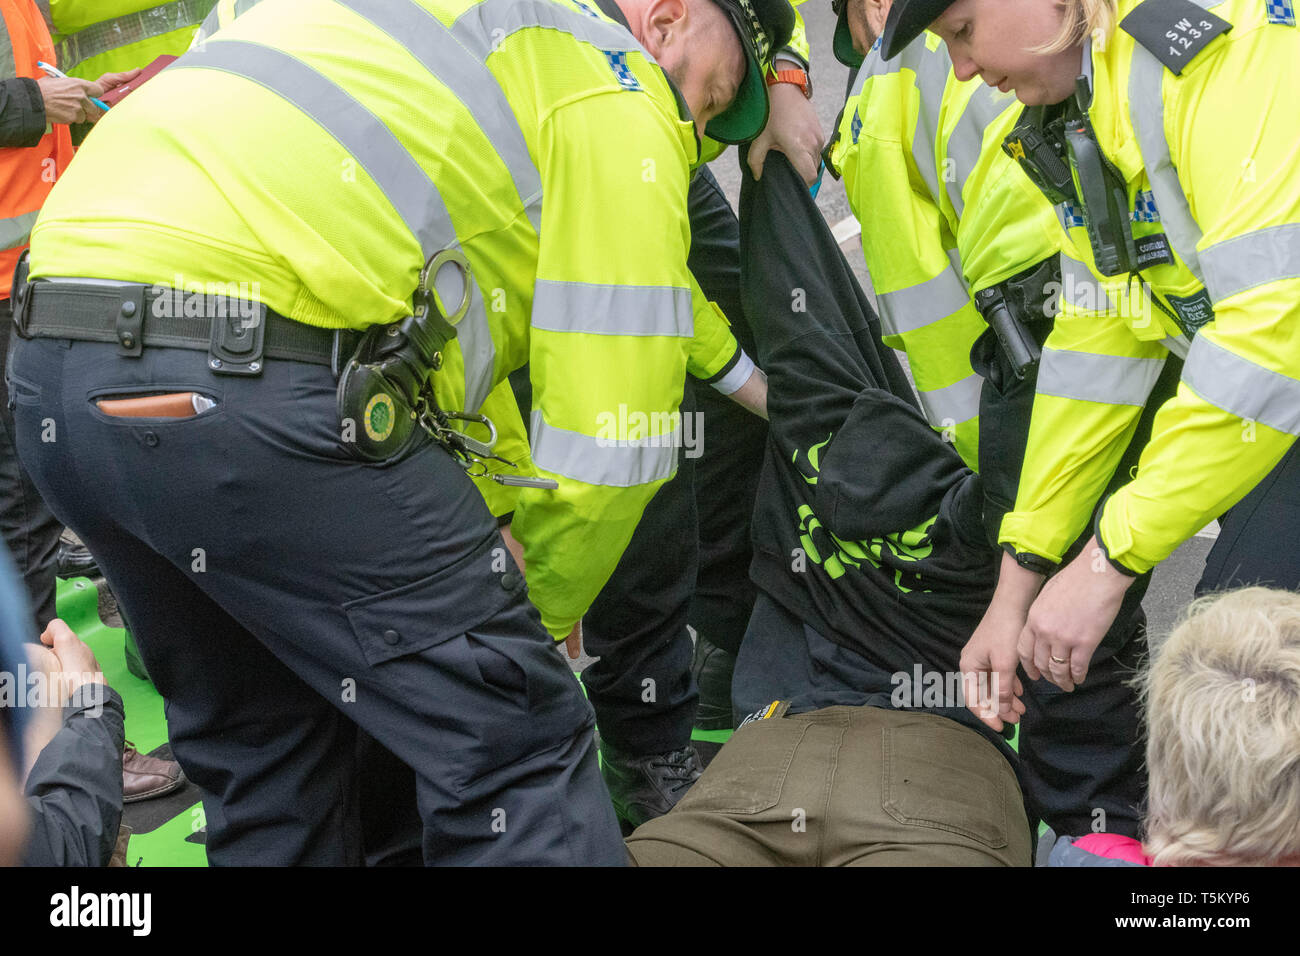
column 72, row 100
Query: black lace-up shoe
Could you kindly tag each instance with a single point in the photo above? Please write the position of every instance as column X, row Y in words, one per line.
column 643, row 788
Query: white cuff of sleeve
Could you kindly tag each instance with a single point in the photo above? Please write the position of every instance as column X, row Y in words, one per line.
column 738, row 375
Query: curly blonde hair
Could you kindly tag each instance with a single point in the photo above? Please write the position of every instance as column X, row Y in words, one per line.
column 1222, row 702
column 1083, row 18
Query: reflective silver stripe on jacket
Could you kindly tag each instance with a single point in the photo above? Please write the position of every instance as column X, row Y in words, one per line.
column 966, row 143
column 1105, row 379
column 1147, row 114
column 952, row 404
column 931, row 80
column 1080, row 288
column 1242, row 388
column 469, row 80
column 1254, row 259
column 484, row 26
column 1178, row 344
column 16, row 230
column 612, row 309
column 372, row 144
column 916, row 306
column 130, row 28
column 359, row 131
column 599, row 461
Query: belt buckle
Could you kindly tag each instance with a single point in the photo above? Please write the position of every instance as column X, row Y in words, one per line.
column 236, row 343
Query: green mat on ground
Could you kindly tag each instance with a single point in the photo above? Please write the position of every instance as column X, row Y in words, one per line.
column 166, row 843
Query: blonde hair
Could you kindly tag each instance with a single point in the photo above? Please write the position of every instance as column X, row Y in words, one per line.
column 1222, row 703
column 1083, row 19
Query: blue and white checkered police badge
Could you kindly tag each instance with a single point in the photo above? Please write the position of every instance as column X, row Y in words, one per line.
column 622, row 72
column 1070, row 216
column 1280, row 11
column 1144, row 207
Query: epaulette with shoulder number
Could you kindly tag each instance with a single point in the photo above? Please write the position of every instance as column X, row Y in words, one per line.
column 1173, row 31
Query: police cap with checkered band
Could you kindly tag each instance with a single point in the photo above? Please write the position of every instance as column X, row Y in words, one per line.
column 764, row 27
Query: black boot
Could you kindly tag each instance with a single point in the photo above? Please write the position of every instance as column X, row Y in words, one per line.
column 643, row 788
column 712, row 668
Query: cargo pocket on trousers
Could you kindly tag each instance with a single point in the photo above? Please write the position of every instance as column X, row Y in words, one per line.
column 943, row 776
column 748, row 774
column 427, row 612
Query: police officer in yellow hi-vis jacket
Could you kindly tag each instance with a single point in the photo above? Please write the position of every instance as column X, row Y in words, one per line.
column 241, row 335
column 963, row 251
column 1169, row 138
column 640, row 684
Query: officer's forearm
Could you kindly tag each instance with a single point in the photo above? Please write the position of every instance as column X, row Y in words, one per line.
column 753, row 394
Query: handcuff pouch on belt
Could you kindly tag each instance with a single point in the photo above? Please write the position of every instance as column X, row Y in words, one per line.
column 1019, row 310
column 1057, row 148
column 385, row 389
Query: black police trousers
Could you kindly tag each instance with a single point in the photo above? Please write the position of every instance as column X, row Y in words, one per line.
column 284, row 595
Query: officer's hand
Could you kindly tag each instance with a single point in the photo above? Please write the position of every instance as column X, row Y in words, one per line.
column 573, row 643
column 1070, row 617
column 794, row 129
column 67, row 100
column 992, row 688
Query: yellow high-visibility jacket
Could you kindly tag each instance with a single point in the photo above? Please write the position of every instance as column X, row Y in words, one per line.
column 94, row 37
column 944, row 213
column 712, row 333
column 1211, row 158
column 326, row 149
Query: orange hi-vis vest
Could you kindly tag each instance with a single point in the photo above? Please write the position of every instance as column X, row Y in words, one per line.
column 26, row 174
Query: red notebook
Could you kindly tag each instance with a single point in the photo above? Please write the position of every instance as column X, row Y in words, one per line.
column 118, row 93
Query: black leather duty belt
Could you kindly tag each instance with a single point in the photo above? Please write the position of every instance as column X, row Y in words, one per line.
column 237, row 333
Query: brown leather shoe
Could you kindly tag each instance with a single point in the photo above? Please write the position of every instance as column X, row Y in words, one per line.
column 145, row 777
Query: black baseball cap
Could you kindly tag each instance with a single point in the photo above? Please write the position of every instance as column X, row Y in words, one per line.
column 764, row 27
column 908, row 19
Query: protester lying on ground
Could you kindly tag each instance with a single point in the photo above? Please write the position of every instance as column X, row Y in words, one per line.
column 1222, row 705
column 873, row 570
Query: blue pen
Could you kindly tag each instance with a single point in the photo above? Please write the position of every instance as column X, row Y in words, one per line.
column 58, row 74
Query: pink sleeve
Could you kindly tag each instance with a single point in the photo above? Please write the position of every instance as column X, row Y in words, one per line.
column 1112, row 846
